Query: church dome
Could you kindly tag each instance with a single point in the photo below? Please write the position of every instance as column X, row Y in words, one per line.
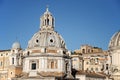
column 115, row 41
column 16, row 45
column 46, row 38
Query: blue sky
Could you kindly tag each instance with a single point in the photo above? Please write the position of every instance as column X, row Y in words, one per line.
column 79, row 22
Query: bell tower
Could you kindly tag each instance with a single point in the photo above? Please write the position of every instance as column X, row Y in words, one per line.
column 47, row 21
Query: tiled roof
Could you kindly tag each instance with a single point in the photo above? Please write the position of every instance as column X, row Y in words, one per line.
column 4, row 50
column 91, row 74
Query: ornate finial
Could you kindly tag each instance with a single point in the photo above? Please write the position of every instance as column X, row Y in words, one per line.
column 47, row 8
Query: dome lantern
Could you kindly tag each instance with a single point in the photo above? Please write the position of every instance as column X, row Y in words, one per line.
column 47, row 21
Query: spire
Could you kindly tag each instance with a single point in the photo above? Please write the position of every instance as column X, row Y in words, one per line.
column 47, row 8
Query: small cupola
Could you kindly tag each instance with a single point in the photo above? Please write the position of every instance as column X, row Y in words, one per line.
column 16, row 45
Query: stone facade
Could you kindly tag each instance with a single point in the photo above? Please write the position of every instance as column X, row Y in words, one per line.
column 94, row 58
column 77, row 62
column 11, row 62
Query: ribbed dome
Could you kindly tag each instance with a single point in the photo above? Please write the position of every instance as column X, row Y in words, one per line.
column 46, row 38
column 115, row 41
column 16, row 45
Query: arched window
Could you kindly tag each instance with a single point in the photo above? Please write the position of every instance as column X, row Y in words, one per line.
column 66, row 67
column 11, row 73
column 83, row 50
column 28, row 53
column 1, row 54
column 47, row 21
column 52, row 65
column 96, row 69
column 106, row 66
column 92, row 69
column 88, row 50
column 91, row 50
column 33, row 66
column 12, row 60
column 52, row 21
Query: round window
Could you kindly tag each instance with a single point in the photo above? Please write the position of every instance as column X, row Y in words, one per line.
column 37, row 40
column 51, row 40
